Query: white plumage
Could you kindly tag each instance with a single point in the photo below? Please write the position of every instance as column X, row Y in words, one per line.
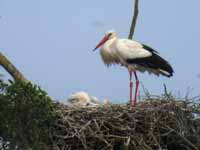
column 129, row 49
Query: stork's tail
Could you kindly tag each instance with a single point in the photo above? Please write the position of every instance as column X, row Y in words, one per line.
column 163, row 66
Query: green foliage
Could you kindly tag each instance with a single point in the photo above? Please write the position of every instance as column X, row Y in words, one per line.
column 26, row 115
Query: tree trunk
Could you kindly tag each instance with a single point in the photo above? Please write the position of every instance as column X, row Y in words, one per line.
column 11, row 69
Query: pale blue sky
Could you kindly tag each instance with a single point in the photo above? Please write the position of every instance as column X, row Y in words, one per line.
column 51, row 42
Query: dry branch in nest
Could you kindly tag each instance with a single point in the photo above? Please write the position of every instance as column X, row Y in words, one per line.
column 155, row 125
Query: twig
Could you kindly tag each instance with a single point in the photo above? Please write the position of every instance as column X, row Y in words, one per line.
column 116, row 136
column 127, row 143
column 184, row 139
column 77, row 131
column 165, row 89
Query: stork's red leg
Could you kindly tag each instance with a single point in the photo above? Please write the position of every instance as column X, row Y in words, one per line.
column 131, row 85
column 136, row 88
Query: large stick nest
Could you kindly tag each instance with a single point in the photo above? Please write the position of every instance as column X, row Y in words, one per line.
column 154, row 125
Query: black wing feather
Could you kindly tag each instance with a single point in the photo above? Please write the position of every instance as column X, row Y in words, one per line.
column 153, row 62
column 149, row 48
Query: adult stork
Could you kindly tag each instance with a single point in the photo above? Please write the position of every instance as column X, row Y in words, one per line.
column 134, row 56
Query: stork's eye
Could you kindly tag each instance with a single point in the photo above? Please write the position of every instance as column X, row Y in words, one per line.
column 109, row 34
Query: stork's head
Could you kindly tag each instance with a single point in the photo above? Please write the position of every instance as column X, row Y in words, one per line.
column 109, row 35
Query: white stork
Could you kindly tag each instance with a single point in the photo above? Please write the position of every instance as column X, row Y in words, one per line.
column 134, row 56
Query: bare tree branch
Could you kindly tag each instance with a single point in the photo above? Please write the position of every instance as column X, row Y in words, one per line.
column 11, row 69
column 134, row 20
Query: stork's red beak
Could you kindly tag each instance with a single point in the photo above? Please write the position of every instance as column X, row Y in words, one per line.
column 101, row 42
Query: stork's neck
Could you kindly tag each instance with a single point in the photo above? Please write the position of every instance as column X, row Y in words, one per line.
column 108, row 52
